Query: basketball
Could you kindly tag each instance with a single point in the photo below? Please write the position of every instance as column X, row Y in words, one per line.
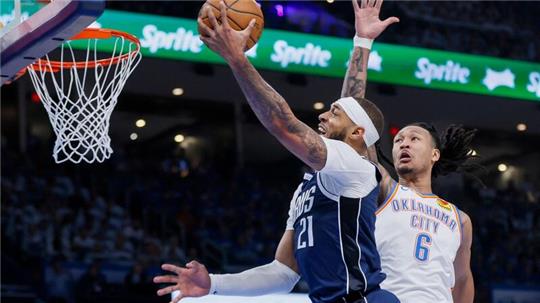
column 239, row 14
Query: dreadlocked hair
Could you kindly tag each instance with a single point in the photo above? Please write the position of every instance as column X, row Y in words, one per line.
column 455, row 148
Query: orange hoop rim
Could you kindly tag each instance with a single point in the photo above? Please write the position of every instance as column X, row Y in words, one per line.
column 91, row 33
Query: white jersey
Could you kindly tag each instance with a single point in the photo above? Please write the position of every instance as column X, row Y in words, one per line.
column 417, row 238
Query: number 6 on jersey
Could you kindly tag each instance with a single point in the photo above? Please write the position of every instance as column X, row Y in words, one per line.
column 421, row 248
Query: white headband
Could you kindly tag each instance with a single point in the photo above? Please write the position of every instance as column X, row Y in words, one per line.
column 359, row 116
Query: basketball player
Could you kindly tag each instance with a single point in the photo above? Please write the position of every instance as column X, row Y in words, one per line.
column 330, row 232
column 412, row 285
column 424, row 242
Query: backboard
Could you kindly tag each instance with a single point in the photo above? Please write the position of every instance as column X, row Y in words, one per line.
column 24, row 41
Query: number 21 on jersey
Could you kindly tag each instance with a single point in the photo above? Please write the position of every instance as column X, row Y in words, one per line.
column 306, row 225
column 421, row 248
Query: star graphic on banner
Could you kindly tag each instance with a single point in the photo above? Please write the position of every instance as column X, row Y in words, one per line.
column 495, row 79
column 375, row 61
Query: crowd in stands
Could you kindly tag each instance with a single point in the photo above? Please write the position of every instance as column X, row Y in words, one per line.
column 90, row 232
column 507, row 236
column 506, row 231
column 100, row 232
column 134, row 216
column 497, row 29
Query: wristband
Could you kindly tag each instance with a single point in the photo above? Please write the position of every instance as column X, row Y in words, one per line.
column 362, row 42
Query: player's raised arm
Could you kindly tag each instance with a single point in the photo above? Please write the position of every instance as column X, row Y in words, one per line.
column 463, row 291
column 269, row 106
column 368, row 26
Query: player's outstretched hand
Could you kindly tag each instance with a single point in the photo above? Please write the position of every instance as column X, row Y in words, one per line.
column 367, row 22
column 223, row 39
column 192, row 280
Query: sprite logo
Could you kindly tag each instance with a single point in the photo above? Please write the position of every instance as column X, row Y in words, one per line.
column 451, row 72
column 180, row 40
column 309, row 55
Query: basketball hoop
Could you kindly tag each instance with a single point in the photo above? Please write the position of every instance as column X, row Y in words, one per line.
column 80, row 95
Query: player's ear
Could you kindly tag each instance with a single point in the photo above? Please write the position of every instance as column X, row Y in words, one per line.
column 435, row 155
column 357, row 132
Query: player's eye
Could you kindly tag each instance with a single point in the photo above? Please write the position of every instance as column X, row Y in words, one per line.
column 397, row 140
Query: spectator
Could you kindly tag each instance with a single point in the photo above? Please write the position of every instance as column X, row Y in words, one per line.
column 92, row 285
column 59, row 283
column 137, row 280
column 172, row 252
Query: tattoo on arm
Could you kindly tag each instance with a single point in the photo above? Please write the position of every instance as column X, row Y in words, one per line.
column 276, row 115
column 354, row 84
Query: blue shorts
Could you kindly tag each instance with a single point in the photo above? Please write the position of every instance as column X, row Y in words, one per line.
column 376, row 295
column 381, row 296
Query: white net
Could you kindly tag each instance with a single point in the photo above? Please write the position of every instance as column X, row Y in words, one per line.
column 79, row 101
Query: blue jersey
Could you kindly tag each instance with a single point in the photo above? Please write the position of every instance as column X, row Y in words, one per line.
column 334, row 240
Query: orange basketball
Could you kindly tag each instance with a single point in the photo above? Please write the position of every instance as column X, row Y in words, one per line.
column 239, row 14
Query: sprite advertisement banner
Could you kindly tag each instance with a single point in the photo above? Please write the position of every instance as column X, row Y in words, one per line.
column 177, row 39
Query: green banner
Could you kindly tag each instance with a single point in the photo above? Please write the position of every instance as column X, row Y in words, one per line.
column 177, row 39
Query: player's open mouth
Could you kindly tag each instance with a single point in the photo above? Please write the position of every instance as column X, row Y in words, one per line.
column 321, row 130
column 404, row 156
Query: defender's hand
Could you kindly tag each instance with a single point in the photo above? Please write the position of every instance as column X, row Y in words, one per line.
column 191, row 281
column 367, row 22
column 223, row 39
